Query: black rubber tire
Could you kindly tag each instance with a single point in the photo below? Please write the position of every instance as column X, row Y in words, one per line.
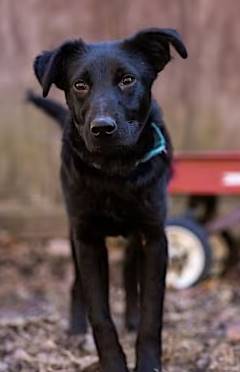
column 200, row 233
column 232, row 246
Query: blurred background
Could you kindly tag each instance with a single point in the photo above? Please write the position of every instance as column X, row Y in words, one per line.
column 200, row 95
column 200, row 100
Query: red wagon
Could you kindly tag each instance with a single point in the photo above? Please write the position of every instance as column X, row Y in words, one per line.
column 200, row 240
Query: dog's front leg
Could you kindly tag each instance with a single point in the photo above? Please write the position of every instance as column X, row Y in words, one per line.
column 93, row 263
column 78, row 316
column 131, row 279
column 153, row 273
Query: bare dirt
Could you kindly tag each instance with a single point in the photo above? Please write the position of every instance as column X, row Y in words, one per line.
column 201, row 328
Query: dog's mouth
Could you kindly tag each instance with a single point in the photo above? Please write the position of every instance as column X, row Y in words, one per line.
column 123, row 139
column 107, row 149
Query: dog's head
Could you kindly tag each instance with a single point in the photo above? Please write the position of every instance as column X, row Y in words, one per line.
column 108, row 85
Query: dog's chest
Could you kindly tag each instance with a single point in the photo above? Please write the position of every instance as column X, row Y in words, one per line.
column 114, row 211
column 116, row 214
column 115, row 203
column 114, row 207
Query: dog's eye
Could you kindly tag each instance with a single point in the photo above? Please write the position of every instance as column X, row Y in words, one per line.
column 126, row 81
column 81, row 86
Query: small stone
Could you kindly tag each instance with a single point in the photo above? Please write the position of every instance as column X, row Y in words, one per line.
column 49, row 345
column 203, row 362
column 233, row 332
column 89, row 344
column 90, row 364
column 22, row 355
column 3, row 367
column 5, row 238
column 58, row 247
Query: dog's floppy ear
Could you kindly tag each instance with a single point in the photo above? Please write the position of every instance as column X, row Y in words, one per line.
column 154, row 44
column 50, row 67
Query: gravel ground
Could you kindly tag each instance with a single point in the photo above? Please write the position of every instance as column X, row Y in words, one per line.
column 201, row 330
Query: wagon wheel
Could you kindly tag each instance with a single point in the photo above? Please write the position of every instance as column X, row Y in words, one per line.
column 189, row 253
column 224, row 253
column 202, row 207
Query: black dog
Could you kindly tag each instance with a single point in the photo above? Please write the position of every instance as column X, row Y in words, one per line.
column 116, row 158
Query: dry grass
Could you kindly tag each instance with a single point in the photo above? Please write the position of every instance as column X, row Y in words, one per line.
column 29, row 156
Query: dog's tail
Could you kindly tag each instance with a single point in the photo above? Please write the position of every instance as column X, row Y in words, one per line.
column 52, row 108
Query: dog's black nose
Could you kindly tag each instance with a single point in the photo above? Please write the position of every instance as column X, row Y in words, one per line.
column 103, row 125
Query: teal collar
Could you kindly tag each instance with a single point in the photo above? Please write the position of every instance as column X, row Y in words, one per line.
column 159, row 145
